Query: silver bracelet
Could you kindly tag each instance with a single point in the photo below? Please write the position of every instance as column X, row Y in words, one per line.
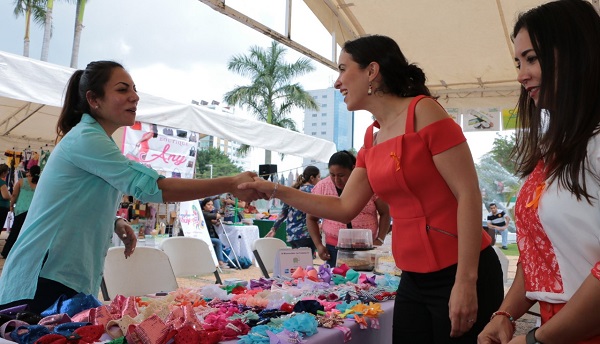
column 380, row 240
column 274, row 191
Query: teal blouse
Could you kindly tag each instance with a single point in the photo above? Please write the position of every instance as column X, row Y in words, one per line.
column 71, row 217
column 25, row 197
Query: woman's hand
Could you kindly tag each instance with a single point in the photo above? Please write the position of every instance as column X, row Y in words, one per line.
column 271, row 233
column 323, row 252
column 263, row 187
column 463, row 307
column 498, row 330
column 127, row 235
column 246, row 194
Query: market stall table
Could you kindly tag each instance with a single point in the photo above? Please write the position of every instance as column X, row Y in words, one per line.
column 241, row 238
column 368, row 335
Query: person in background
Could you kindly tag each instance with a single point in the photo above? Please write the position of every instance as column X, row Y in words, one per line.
column 557, row 213
column 212, row 219
column 232, row 211
column 19, row 204
column 498, row 220
column 217, row 203
column 4, row 194
column 419, row 163
column 374, row 216
column 67, row 232
column 297, row 234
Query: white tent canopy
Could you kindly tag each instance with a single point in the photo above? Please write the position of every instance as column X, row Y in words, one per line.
column 463, row 46
column 31, row 94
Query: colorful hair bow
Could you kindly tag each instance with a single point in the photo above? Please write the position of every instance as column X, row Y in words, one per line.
column 261, row 283
column 72, row 306
column 309, row 306
column 150, row 331
column 304, row 323
column 362, row 323
column 350, row 276
column 325, row 273
column 81, row 335
column 366, row 279
column 285, row 337
column 341, row 270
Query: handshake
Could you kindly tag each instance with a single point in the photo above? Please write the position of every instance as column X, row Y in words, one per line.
column 249, row 187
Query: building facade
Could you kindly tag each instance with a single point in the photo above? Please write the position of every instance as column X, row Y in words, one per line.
column 332, row 122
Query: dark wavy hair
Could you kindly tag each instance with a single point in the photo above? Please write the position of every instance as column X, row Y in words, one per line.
column 93, row 78
column 344, row 159
column 309, row 171
column 565, row 35
column 398, row 77
column 205, row 201
column 4, row 168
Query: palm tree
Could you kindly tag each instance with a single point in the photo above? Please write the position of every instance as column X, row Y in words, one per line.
column 47, row 30
column 271, row 95
column 29, row 8
column 77, row 32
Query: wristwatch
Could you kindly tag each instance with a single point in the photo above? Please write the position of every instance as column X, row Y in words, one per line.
column 530, row 337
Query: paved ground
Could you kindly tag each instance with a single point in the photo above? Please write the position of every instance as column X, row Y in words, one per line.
column 523, row 325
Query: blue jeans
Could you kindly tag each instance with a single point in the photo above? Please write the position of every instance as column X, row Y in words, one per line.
column 218, row 245
column 504, row 234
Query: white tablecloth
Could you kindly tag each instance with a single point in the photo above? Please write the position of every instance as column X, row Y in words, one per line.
column 241, row 239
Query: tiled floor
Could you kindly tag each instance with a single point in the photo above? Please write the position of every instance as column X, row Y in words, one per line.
column 523, row 325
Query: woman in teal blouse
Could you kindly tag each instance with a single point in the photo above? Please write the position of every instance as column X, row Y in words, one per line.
column 68, row 229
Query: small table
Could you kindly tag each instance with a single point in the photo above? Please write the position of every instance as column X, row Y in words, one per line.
column 241, row 238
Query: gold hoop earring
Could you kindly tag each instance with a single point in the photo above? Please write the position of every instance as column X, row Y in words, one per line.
column 370, row 90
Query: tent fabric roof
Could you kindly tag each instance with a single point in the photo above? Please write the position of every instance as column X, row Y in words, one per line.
column 463, row 46
column 31, row 94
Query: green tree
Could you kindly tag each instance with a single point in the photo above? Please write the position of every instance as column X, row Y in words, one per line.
column 271, row 95
column 222, row 164
column 496, row 171
column 77, row 32
column 501, row 150
column 31, row 9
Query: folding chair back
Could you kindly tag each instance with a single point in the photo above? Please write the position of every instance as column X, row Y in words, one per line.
column 146, row 271
column 190, row 257
column 264, row 250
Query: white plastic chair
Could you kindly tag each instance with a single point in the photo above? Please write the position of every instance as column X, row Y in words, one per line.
column 190, row 257
column 146, row 271
column 264, row 250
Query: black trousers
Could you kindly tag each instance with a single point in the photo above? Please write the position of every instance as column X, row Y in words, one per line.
column 421, row 313
column 47, row 292
column 14, row 233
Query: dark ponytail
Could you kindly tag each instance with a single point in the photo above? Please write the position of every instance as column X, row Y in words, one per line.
column 399, row 77
column 309, row 171
column 34, row 171
column 93, row 79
